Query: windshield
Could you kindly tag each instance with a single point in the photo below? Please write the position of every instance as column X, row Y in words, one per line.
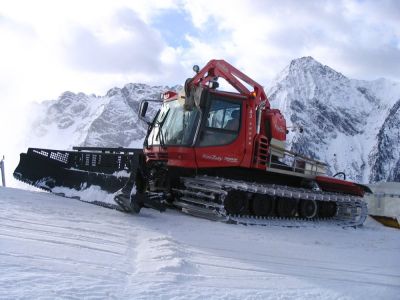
column 178, row 126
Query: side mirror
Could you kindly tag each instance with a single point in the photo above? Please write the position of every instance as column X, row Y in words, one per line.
column 143, row 108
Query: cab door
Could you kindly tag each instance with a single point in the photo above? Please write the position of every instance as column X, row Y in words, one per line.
column 221, row 141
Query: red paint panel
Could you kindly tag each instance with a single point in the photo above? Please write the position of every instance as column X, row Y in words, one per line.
column 277, row 124
column 229, row 155
column 220, row 156
column 330, row 184
column 182, row 157
column 175, row 156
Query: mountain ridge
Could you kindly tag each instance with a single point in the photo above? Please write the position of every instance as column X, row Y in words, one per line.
column 341, row 117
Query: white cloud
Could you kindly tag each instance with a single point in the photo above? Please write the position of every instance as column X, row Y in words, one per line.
column 350, row 36
column 128, row 45
column 49, row 47
column 58, row 45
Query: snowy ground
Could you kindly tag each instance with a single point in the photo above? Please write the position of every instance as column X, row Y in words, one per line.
column 52, row 247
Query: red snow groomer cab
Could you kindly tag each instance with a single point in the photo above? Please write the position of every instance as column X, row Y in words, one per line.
column 210, row 153
column 222, row 155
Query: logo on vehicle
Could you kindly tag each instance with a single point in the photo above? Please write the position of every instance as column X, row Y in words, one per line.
column 212, row 157
column 279, row 128
column 220, row 158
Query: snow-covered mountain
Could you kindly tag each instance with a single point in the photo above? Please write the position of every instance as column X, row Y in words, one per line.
column 90, row 120
column 385, row 156
column 353, row 125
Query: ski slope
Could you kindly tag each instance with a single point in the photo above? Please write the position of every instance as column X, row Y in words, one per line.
column 52, row 247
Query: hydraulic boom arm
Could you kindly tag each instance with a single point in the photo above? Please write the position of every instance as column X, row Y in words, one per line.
column 220, row 68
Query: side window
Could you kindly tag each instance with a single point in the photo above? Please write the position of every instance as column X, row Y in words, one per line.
column 223, row 123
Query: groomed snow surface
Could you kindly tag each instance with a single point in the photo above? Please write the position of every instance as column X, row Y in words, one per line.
column 52, row 247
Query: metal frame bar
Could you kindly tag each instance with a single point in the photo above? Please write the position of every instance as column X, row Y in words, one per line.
column 314, row 165
column 3, row 176
column 109, row 149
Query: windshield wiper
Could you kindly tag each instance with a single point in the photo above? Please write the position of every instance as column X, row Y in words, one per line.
column 160, row 133
column 150, row 128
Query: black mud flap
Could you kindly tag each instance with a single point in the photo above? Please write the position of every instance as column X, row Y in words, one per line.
column 132, row 197
column 134, row 203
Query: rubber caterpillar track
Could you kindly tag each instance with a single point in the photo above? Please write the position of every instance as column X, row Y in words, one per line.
column 205, row 196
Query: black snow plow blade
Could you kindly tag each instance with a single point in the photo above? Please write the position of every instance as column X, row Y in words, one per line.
column 70, row 173
column 78, row 170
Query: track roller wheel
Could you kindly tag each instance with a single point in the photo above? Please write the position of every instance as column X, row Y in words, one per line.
column 263, row 205
column 286, row 208
column 237, row 203
column 327, row 209
column 308, row 208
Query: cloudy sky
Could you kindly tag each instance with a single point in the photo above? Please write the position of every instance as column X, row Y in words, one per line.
column 48, row 47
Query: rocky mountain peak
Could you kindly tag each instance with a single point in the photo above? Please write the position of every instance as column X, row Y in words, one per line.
column 311, row 69
column 114, row 91
column 341, row 117
column 305, row 62
column 90, row 120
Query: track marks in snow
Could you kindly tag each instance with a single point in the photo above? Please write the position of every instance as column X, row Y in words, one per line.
column 309, row 265
column 75, row 226
column 53, row 247
column 164, row 255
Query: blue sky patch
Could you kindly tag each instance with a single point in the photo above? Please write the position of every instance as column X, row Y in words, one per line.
column 174, row 25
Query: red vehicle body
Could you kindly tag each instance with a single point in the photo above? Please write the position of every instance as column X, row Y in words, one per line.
column 210, row 153
column 259, row 125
